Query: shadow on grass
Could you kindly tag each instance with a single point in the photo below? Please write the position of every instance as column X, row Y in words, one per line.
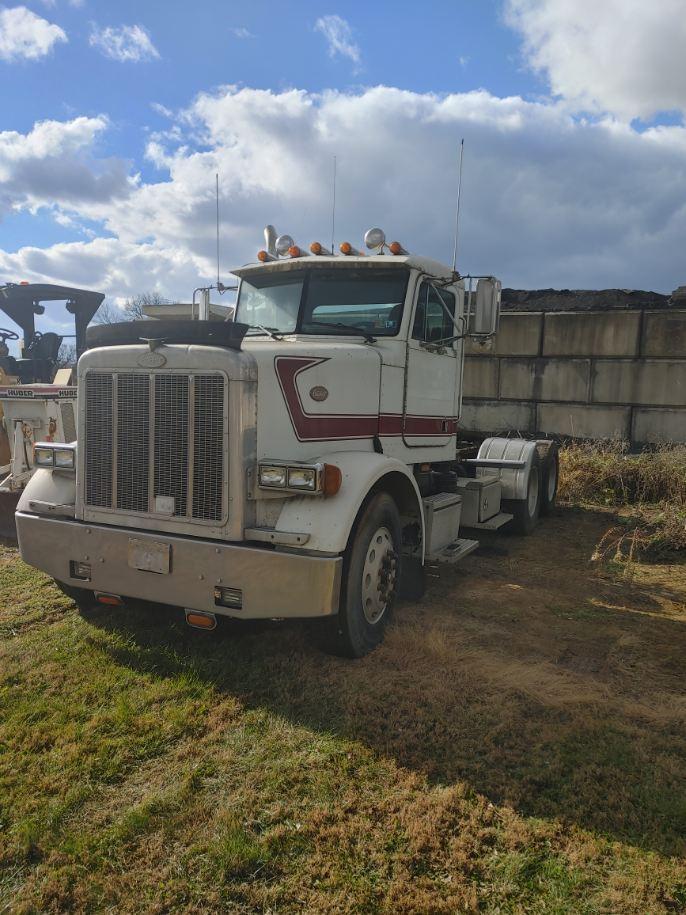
column 541, row 684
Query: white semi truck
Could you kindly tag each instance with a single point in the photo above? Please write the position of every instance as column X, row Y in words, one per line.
column 300, row 461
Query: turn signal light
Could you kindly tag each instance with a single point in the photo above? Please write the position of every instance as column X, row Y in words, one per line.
column 332, row 479
column 201, row 620
column 111, row 600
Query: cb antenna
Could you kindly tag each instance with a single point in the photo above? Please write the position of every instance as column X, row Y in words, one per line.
column 333, row 208
column 217, row 198
column 457, row 208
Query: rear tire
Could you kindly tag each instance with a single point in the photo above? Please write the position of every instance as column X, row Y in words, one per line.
column 526, row 512
column 371, row 578
column 551, row 476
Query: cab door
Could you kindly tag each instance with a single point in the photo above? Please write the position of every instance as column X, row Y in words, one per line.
column 432, row 370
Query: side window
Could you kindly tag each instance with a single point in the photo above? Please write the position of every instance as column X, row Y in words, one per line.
column 431, row 322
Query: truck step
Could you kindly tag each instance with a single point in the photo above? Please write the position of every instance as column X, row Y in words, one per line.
column 493, row 524
column 454, row 552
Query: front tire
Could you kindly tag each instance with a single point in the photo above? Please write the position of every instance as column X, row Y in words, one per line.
column 371, row 578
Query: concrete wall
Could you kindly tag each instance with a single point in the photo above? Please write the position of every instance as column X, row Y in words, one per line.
column 618, row 374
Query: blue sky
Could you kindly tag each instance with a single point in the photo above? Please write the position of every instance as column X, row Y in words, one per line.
column 115, row 117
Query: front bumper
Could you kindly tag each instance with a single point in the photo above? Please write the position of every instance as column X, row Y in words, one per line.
column 273, row 584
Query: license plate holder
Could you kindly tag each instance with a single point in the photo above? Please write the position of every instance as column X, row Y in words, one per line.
column 150, row 556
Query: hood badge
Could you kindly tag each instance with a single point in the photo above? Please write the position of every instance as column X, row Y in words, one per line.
column 151, row 360
column 319, row 393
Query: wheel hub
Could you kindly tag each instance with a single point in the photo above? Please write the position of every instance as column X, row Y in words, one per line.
column 378, row 575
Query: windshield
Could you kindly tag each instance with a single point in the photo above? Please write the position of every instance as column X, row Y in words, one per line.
column 322, row 301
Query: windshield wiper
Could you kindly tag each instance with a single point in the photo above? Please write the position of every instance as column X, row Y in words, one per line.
column 273, row 332
column 353, row 328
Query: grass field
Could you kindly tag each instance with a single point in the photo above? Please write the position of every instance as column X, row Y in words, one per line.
column 517, row 745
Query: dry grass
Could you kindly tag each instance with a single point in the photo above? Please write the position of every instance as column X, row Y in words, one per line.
column 517, row 745
column 649, row 488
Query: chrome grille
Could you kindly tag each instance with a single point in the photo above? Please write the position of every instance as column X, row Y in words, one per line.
column 171, row 439
column 207, row 446
column 133, row 442
column 98, row 463
column 156, row 435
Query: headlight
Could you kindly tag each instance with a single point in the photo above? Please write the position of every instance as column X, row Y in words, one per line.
column 302, row 478
column 64, row 458
column 43, row 457
column 54, row 456
column 272, row 476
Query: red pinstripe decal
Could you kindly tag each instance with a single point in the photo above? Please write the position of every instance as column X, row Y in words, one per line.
column 322, row 427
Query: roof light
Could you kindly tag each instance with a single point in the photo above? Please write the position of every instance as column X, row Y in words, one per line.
column 346, row 248
column 264, row 256
column 374, row 238
column 396, row 248
column 318, row 248
column 283, row 243
column 294, row 251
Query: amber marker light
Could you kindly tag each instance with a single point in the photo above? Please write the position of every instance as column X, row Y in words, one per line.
column 294, row 251
column 201, row 620
column 345, row 247
column 396, row 248
column 316, row 248
column 262, row 256
column 332, row 479
column 112, row 600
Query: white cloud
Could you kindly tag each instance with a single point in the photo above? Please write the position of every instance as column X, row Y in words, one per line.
column 339, row 37
column 53, row 166
column 621, row 56
column 127, row 44
column 548, row 200
column 25, row 35
column 241, row 32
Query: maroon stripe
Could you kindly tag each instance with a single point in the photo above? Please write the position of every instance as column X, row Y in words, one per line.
column 310, row 427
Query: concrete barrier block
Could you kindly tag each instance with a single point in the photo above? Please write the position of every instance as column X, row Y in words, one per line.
column 519, row 334
column 653, row 382
column 584, row 421
column 664, row 334
column 655, row 426
column 490, row 416
column 545, row 379
column 480, row 377
column 592, row 333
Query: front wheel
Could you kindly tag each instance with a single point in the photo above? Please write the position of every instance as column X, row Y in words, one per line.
column 371, row 577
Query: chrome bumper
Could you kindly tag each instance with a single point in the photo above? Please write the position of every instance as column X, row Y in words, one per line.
column 273, row 584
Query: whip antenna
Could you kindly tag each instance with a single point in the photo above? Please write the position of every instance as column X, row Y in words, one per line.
column 333, row 207
column 217, row 197
column 457, row 208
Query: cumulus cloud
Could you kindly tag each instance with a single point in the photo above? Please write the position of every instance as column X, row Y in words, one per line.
column 127, row 44
column 24, row 35
column 339, row 37
column 621, row 56
column 548, row 200
column 241, row 32
column 53, row 166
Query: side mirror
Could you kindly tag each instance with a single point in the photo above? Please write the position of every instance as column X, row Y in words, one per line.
column 486, row 314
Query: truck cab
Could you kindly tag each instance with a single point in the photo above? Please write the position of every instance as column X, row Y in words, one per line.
column 298, row 461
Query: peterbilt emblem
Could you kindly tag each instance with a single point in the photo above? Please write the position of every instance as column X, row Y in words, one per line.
column 151, row 360
column 319, row 393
